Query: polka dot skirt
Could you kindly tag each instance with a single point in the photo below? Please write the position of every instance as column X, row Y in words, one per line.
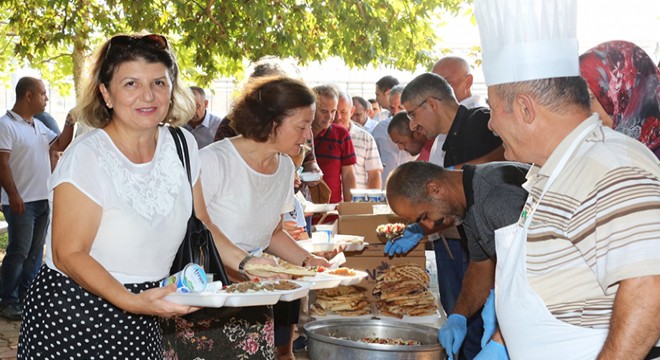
column 61, row 320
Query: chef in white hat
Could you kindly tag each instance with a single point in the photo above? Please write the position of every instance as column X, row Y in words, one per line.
column 578, row 277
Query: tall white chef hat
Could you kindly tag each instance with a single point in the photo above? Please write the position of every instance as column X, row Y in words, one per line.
column 527, row 39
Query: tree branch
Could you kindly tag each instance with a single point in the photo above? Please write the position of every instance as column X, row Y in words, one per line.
column 55, row 57
column 209, row 4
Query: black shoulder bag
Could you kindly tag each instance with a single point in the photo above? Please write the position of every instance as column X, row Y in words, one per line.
column 197, row 246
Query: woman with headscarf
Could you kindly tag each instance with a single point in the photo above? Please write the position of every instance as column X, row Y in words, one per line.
column 624, row 82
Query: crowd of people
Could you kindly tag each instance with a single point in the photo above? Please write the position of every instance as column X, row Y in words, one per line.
column 541, row 202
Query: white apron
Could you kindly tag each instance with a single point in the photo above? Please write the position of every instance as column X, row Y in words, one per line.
column 529, row 329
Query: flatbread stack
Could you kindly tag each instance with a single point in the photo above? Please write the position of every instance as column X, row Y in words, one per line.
column 403, row 291
column 342, row 300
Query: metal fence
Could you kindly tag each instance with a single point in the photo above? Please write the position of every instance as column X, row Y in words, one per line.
column 220, row 95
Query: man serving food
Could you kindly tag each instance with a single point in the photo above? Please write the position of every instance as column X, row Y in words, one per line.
column 578, row 277
column 483, row 198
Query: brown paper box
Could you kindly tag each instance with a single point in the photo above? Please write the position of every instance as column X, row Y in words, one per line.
column 357, row 208
column 358, row 219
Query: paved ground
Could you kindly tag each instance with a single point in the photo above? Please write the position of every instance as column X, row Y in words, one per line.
column 8, row 338
column 8, row 329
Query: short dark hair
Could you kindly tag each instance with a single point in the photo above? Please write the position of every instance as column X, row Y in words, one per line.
column 427, row 85
column 264, row 104
column 24, row 85
column 386, row 82
column 360, row 100
column 408, row 181
column 401, row 123
column 198, row 90
column 561, row 94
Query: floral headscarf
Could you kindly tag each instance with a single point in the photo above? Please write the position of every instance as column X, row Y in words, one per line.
column 626, row 83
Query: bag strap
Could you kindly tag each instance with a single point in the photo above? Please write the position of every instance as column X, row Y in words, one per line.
column 184, row 156
column 182, row 150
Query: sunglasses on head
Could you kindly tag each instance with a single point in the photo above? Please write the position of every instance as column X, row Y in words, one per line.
column 152, row 40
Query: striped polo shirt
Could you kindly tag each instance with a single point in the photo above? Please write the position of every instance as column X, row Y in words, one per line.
column 598, row 224
column 366, row 153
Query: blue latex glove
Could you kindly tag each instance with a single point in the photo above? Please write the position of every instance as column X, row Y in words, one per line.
column 411, row 237
column 452, row 333
column 492, row 351
column 489, row 318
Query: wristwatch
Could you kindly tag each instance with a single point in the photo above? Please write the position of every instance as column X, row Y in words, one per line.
column 309, row 257
column 241, row 265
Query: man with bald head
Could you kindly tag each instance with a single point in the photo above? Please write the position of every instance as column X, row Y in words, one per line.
column 24, row 169
column 456, row 71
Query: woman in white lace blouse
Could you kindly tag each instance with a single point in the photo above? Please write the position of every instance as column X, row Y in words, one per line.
column 121, row 200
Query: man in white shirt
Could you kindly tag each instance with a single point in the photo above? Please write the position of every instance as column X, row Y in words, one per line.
column 24, row 169
column 360, row 115
column 390, row 155
column 204, row 124
column 368, row 166
column 383, row 87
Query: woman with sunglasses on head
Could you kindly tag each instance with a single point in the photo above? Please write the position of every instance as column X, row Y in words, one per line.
column 121, row 201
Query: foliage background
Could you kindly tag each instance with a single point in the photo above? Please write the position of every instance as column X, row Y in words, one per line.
column 218, row 38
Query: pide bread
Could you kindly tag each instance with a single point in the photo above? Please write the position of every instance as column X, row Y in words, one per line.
column 403, row 291
column 269, row 270
column 342, row 300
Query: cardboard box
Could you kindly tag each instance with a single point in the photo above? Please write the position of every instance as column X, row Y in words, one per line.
column 358, row 219
column 356, row 208
column 374, row 262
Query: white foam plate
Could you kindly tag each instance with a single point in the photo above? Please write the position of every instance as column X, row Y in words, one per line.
column 202, row 299
column 326, row 280
column 323, row 281
column 221, row 298
column 313, row 245
column 298, row 293
column 319, row 208
column 310, row 176
column 352, row 280
column 252, row 299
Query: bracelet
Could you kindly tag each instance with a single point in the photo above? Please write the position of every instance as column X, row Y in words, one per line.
column 241, row 265
column 434, row 236
column 309, row 257
column 69, row 122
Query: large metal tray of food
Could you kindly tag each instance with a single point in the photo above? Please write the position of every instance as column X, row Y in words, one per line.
column 371, row 339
